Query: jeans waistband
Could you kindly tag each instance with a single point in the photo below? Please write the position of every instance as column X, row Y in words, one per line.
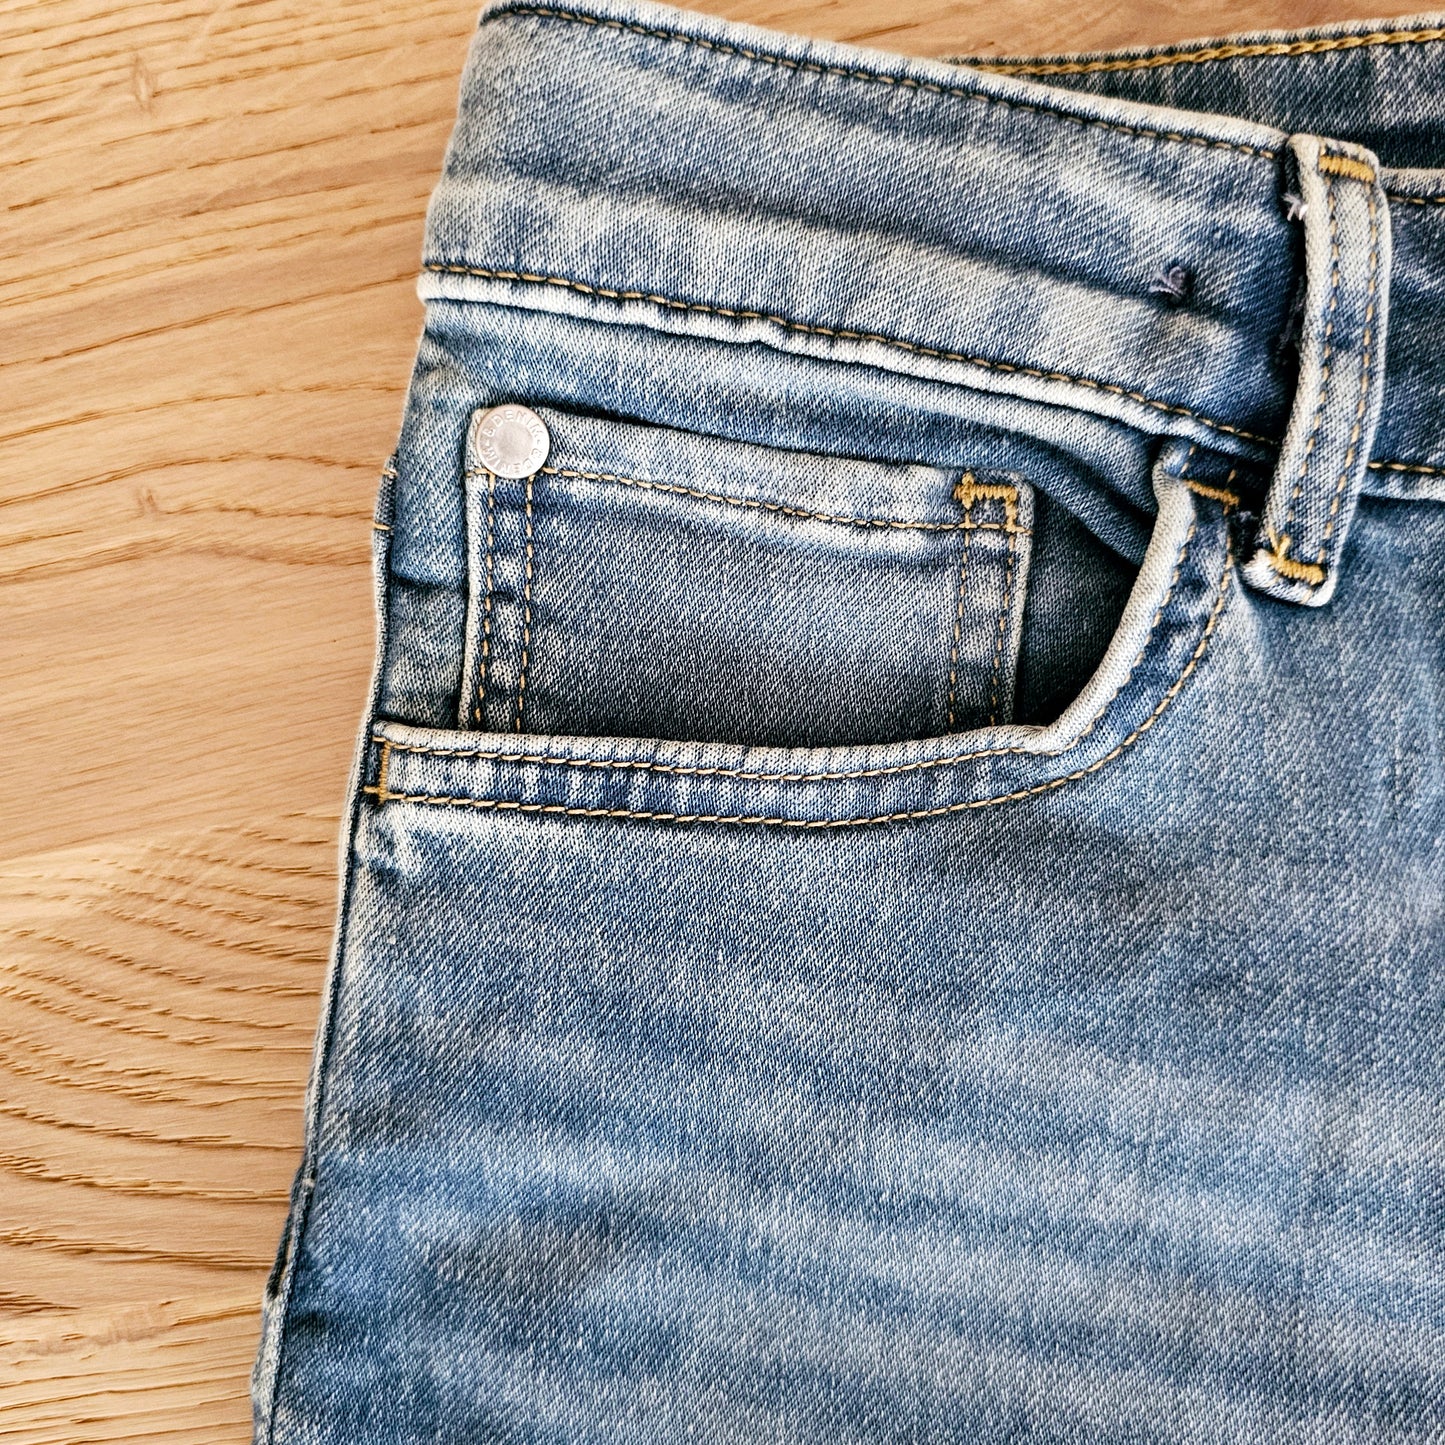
column 1189, row 274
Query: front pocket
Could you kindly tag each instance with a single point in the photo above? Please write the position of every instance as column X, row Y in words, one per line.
column 1179, row 600
column 649, row 582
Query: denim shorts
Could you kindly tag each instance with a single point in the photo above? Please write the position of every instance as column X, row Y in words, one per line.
column 894, row 887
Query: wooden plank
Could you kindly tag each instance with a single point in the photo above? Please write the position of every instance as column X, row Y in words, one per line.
column 157, row 1003
column 207, row 318
column 152, row 1373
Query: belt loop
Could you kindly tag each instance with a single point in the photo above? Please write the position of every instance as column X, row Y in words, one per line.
column 1322, row 462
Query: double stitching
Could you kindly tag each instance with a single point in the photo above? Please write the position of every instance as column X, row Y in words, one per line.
column 1326, row 354
column 957, row 632
column 526, row 614
column 873, row 77
column 1003, row 619
column 838, row 333
column 750, row 775
column 1278, row 555
column 1420, row 467
column 1366, row 372
column 1247, row 51
column 755, row 503
column 1313, row 574
column 969, row 491
column 566, row 810
column 481, row 703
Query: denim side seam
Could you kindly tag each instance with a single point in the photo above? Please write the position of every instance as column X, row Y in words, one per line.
column 266, row 1371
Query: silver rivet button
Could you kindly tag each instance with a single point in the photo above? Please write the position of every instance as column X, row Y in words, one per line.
column 510, row 441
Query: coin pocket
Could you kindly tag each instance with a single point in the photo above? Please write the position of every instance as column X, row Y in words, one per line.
column 648, row 581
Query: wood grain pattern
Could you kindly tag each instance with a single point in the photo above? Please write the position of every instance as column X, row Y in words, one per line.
column 207, row 315
column 157, row 999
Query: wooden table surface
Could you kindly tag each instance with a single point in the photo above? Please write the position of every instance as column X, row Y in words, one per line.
column 207, row 316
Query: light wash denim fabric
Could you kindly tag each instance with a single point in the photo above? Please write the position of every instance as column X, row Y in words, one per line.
column 893, row 887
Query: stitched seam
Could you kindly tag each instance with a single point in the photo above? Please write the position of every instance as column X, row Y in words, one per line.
column 901, row 82
column 388, row 474
column 968, row 490
column 843, row 334
column 381, row 791
column 1003, row 619
column 526, row 617
column 1286, row 565
column 751, row 775
column 999, row 637
column 958, row 626
column 1357, row 428
column 1259, row 49
column 487, row 607
column 1217, row 494
column 1326, row 352
column 1331, row 163
column 1420, row 467
column 756, row 504
column 1415, row 200
column 910, row 815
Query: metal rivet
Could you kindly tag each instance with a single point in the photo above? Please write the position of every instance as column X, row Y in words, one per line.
column 510, row 441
